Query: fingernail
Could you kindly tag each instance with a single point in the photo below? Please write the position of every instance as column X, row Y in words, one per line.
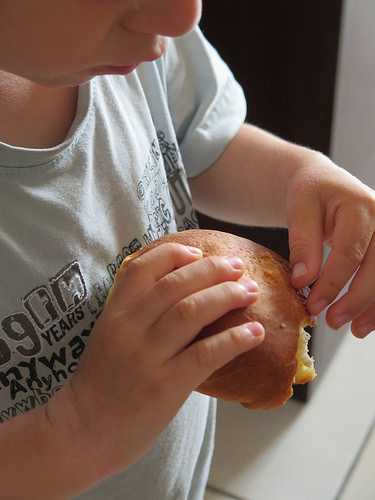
column 341, row 320
column 299, row 270
column 250, row 285
column 236, row 262
column 254, row 328
column 194, row 250
column 317, row 307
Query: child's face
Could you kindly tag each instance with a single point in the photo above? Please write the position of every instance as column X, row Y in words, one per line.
column 67, row 42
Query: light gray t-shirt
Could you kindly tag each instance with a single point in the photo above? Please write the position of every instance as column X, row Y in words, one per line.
column 70, row 214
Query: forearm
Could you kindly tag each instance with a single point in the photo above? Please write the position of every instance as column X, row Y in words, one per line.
column 42, row 458
column 247, row 184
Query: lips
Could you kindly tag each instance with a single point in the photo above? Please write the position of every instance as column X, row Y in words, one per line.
column 158, row 50
column 124, row 70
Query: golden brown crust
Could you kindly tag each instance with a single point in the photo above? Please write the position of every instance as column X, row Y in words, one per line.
column 262, row 377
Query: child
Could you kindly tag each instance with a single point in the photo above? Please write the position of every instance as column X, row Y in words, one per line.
column 108, row 131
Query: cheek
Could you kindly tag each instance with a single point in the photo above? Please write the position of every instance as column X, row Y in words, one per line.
column 65, row 37
column 164, row 17
column 44, row 55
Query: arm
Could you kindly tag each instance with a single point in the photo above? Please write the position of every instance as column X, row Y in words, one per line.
column 247, row 184
column 103, row 419
column 265, row 181
column 44, row 456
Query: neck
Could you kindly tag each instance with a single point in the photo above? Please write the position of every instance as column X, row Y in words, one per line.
column 34, row 116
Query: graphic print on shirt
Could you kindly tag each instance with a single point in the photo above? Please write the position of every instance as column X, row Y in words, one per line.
column 158, row 187
column 179, row 192
column 49, row 314
column 42, row 341
column 153, row 194
column 50, row 333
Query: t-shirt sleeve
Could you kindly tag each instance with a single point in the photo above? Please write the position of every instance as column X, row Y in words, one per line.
column 206, row 103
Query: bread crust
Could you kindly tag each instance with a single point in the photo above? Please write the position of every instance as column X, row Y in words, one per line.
column 263, row 377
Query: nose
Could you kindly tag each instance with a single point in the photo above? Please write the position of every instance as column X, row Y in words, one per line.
column 164, row 17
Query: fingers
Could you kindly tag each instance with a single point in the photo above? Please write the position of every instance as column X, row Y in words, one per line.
column 187, row 280
column 143, row 272
column 305, row 222
column 167, row 299
column 360, row 294
column 195, row 364
column 348, row 250
column 365, row 323
column 190, row 315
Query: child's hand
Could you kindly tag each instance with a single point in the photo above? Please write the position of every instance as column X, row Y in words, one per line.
column 327, row 204
column 138, row 367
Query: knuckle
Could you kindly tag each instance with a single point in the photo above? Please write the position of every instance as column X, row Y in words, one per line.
column 186, row 310
column 355, row 252
column 207, row 355
column 204, row 356
column 299, row 245
column 235, row 338
column 134, row 267
column 232, row 290
column 214, row 264
column 168, row 284
column 174, row 248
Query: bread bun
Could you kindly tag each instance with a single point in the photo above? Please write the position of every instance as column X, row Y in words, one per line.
column 262, row 377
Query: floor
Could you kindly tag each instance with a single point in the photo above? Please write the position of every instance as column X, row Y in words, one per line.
column 360, row 484
column 337, row 461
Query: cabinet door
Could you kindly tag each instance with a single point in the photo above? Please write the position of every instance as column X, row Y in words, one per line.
column 284, row 54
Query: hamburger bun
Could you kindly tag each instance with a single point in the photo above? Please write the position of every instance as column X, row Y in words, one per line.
column 262, row 378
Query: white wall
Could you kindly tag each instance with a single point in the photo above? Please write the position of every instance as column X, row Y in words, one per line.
column 353, row 132
column 354, row 121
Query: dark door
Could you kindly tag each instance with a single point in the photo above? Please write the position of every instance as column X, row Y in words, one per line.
column 284, row 54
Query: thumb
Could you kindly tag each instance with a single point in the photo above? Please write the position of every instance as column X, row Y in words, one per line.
column 305, row 226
